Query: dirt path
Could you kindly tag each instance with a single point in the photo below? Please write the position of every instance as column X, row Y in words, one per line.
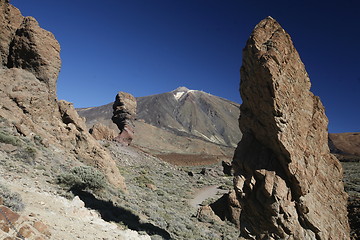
column 66, row 219
column 204, row 193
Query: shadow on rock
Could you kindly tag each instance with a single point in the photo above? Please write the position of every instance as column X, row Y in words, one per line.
column 109, row 212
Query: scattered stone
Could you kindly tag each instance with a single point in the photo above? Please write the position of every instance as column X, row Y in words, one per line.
column 26, row 231
column 203, row 171
column 288, row 184
column 42, row 228
column 11, row 215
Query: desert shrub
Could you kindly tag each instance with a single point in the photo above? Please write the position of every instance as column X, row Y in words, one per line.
column 38, row 140
column 82, row 178
column 28, row 154
column 6, row 138
column 11, row 200
column 142, row 180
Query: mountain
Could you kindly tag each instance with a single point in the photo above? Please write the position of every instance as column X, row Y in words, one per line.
column 346, row 146
column 182, row 121
column 192, row 113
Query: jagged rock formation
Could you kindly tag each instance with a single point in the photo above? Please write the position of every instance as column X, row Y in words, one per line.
column 30, row 63
column 101, row 132
column 124, row 112
column 287, row 183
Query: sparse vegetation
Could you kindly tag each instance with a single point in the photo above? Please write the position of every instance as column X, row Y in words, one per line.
column 10, row 199
column 8, row 139
column 83, row 178
column 167, row 206
column 27, row 154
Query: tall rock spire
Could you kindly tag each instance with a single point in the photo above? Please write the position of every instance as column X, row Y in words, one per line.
column 123, row 116
column 288, row 184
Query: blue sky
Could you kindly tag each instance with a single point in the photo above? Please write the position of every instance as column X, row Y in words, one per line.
column 146, row 47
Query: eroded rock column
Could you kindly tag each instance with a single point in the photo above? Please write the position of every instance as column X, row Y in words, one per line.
column 123, row 116
column 288, row 184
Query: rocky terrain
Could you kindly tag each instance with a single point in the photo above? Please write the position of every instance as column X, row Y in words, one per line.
column 60, row 180
column 155, row 191
column 30, row 64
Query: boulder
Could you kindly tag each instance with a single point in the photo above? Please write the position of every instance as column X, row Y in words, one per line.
column 288, row 184
column 124, row 113
column 102, row 132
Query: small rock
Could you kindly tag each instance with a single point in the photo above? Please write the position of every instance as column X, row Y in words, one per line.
column 42, row 228
column 11, row 216
column 151, row 186
column 26, row 231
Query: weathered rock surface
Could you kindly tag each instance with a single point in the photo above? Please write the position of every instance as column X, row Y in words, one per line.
column 124, row 113
column 287, row 183
column 28, row 93
column 10, row 21
column 36, row 50
column 101, row 132
column 25, row 227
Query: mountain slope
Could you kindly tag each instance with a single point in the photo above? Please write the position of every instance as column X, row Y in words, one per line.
column 182, row 121
column 194, row 113
column 346, row 146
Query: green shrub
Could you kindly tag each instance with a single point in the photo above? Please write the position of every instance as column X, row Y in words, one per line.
column 11, row 200
column 27, row 154
column 82, row 178
column 6, row 138
column 142, row 180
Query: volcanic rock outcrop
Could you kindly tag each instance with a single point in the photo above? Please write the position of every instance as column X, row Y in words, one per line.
column 30, row 63
column 101, row 132
column 287, row 184
column 124, row 112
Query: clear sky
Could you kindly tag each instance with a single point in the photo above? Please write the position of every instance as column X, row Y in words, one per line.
column 146, row 47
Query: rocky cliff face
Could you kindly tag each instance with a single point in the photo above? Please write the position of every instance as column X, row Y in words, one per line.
column 287, row 184
column 30, row 63
column 124, row 112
